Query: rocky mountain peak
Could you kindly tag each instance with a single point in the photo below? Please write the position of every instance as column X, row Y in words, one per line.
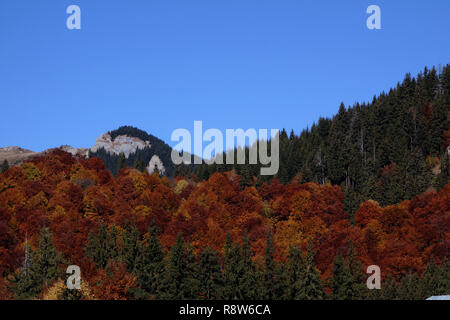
column 120, row 144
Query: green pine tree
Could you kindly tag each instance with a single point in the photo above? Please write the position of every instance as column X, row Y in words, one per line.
column 269, row 286
column 312, row 289
column 341, row 282
column 191, row 275
column 358, row 285
column 131, row 247
column 150, row 265
column 443, row 177
column 241, row 278
column 26, row 284
column 121, row 162
column 4, row 166
column 171, row 286
column 296, row 271
column 211, row 278
column 47, row 261
column 102, row 246
column 231, row 276
column 248, row 282
column 409, row 288
column 139, row 164
column 389, row 289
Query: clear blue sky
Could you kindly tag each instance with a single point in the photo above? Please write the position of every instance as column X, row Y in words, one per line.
column 161, row 64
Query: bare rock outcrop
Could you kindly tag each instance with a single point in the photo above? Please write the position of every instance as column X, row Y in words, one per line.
column 121, row 144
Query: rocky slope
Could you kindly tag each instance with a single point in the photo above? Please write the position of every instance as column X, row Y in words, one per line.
column 120, row 144
column 15, row 155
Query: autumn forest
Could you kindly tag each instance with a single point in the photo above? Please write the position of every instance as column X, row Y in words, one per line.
column 367, row 187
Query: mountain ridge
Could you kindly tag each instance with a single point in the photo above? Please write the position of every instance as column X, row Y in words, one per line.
column 134, row 144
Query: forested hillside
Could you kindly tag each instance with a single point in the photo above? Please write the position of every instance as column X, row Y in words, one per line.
column 141, row 236
column 389, row 150
column 141, row 157
column 368, row 187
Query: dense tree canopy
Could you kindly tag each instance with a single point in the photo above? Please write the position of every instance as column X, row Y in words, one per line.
column 147, row 236
column 388, row 150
